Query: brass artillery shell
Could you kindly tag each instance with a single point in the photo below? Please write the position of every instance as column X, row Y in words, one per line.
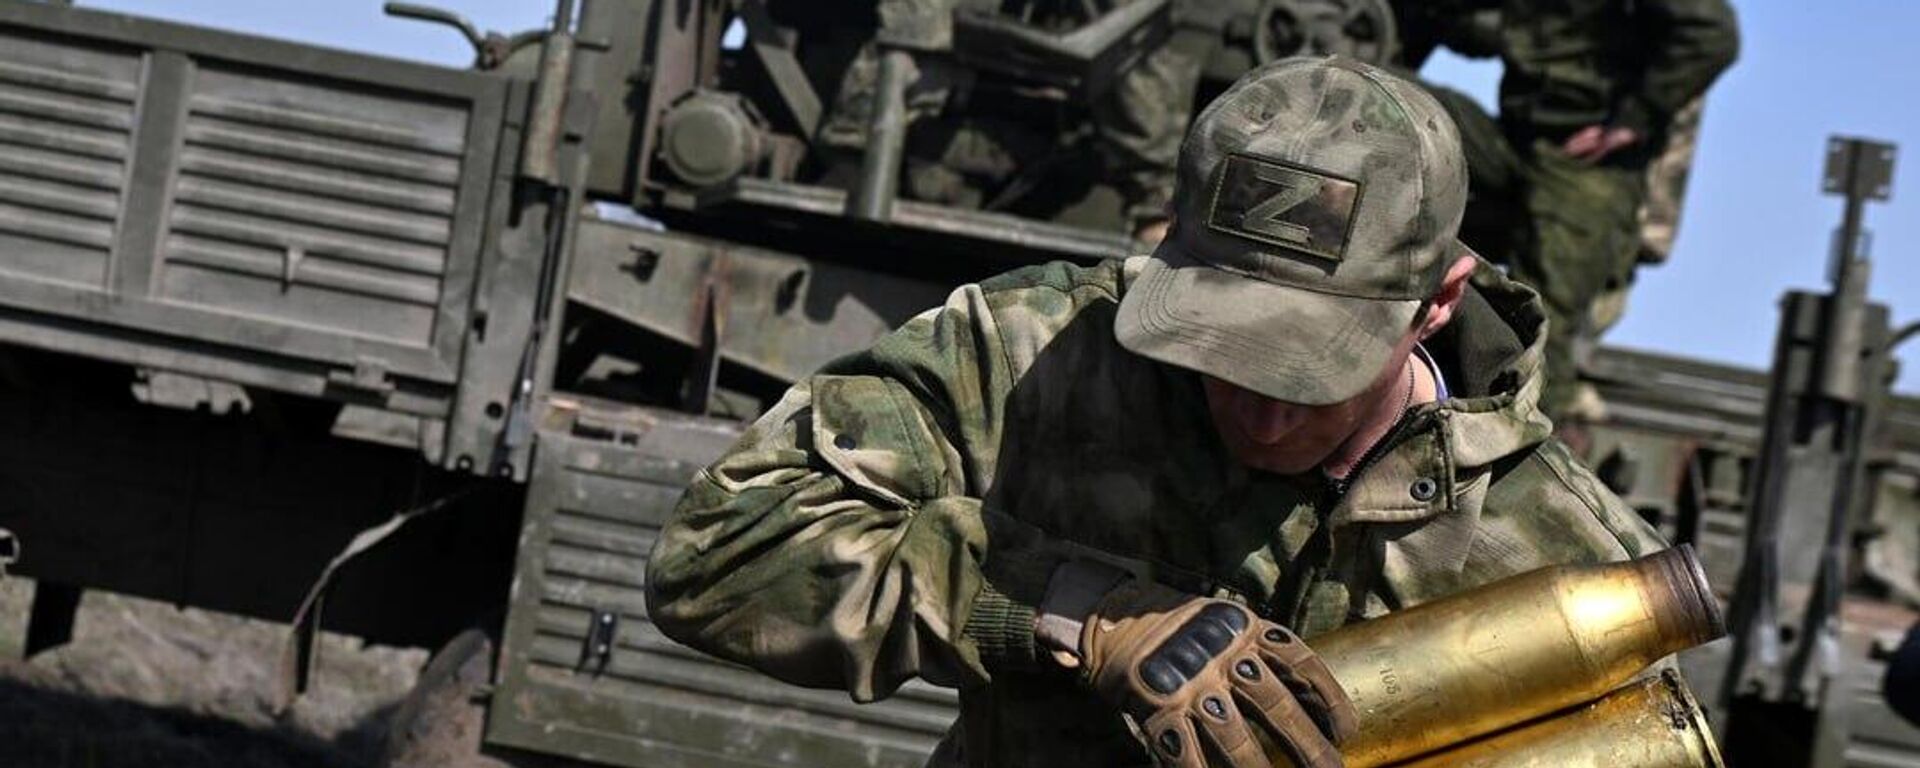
column 1481, row 661
column 1651, row 724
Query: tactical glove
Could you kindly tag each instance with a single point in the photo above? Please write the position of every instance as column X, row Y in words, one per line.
column 1207, row 682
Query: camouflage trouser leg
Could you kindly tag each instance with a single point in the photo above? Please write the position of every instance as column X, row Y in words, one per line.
column 1140, row 123
column 913, row 25
column 1585, row 240
column 845, row 124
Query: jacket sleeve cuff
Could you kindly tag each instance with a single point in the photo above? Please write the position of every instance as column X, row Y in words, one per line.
column 1001, row 628
column 1000, row 623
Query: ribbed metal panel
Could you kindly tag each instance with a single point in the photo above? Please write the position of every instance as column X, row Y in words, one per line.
column 595, row 510
column 1877, row 738
column 66, row 121
column 323, row 206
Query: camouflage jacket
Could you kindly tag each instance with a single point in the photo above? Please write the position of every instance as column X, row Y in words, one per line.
column 1574, row 63
column 898, row 514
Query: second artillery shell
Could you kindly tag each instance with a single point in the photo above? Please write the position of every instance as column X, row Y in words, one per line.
column 1448, row 671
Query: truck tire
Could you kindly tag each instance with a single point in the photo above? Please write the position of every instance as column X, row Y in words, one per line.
column 441, row 721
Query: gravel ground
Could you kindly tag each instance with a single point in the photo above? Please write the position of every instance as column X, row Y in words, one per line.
column 146, row 685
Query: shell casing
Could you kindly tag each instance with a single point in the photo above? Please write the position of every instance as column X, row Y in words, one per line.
column 1451, row 670
column 1654, row 723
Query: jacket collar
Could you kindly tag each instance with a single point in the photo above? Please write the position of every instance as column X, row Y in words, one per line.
column 1430, row 487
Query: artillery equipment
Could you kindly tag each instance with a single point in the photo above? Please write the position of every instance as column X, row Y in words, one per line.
column 1654, row 723
column 256, row 295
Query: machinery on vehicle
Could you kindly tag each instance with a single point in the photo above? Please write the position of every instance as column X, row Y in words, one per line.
column 255, row 296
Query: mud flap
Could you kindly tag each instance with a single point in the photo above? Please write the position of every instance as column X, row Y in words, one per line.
column 302, row 650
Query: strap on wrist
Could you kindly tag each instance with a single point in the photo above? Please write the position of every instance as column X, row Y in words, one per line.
column 1073, row 591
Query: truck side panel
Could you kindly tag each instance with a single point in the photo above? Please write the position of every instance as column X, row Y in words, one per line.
column 241, row 208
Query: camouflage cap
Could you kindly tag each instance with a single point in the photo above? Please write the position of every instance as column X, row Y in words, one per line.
column 1315, row 209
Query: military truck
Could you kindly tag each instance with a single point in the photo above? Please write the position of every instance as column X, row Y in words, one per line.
column 425, row 355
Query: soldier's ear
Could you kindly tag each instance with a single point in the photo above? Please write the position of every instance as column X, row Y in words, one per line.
column 1444, row 301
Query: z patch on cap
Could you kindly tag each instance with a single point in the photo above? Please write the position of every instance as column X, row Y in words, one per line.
column 1284, row 205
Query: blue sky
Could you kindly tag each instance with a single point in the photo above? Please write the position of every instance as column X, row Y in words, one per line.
column 1755, row 223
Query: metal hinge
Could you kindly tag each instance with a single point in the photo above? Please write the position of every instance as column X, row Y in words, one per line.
column 597, row 650
column 190, row 393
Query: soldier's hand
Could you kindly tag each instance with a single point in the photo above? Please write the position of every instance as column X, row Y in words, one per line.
column 1594, row 142
column 1208, row 683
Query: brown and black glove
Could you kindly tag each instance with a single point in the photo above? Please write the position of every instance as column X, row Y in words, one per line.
column 1209, row 683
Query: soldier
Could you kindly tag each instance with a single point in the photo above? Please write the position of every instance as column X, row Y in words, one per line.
column 1588, row 98
column 1102, row 500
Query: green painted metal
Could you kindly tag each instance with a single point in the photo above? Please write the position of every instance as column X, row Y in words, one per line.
column 601, row 488
column 245, row 209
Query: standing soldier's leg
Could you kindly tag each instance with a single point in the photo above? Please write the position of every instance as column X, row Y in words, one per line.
column 1667, row 184
column 1586, row 237
column 1139, row 123
column 1660, row 210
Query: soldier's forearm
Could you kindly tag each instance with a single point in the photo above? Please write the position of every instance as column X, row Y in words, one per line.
column 811, row 585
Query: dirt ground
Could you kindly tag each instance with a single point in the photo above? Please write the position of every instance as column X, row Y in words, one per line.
column 146, row 685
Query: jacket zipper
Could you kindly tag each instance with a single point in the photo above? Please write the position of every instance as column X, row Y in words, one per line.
column 1291, row 598
column 1391, row 440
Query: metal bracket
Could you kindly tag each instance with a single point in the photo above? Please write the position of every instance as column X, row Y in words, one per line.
column 372, row 375
column 597, row 649
column 190, row 393
column 1859, row 168
column 290, row 266
column 710, row 328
